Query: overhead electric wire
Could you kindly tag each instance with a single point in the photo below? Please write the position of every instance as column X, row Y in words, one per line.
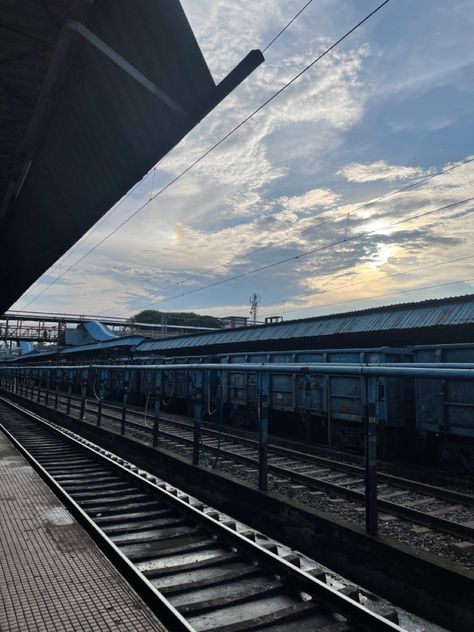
column 153, row 170
column 367, row 298
column 297, row 233
column 96, row 226
column 310, row 252
column 380, row 278
column 271, row 42
column 214, row 146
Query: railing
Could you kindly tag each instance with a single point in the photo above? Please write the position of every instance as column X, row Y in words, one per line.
column 49, row 382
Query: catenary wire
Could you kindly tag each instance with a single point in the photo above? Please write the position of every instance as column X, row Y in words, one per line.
column 280, row 33
column 59, row 264
column 309, row 252
column 212, row 148
column 367, row 298
column 382, row 277
column 340, row 287
column 116, row 206
column 298, row 233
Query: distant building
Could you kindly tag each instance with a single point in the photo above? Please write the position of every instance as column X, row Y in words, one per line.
column 269, row 320
column 231, row 322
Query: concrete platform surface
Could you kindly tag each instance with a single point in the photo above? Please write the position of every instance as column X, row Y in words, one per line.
column 53, row 577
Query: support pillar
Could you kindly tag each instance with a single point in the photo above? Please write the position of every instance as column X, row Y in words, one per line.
column 156, row 418
column 370, row 435
column 198, row 380
column 124, row 402
column 263, row 431
column 84, row 379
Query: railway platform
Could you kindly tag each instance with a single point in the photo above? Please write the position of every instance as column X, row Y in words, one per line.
column 53, row 577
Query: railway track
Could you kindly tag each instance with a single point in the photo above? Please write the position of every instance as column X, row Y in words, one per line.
column 436, row 508
column 196, row 572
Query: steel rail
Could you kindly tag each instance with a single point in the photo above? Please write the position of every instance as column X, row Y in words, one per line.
column 315, row 587
column 437, row 523
column 382, row 477
column 407, row 513
column 152, row 597
column 391, row 479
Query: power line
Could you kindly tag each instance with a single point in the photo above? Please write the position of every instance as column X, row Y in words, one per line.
column 285, row 27
column 96, row 226
column 153, row 170
column 288, row 238
column 310, row 252
column 415, row 289
column 213, row 147
column 384, row 276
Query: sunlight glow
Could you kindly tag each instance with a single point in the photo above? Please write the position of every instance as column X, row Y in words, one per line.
column 383, row 254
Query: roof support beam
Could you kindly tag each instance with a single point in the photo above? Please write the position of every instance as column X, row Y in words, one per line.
column 244, row 68
column 62, row 57
column 126, row 66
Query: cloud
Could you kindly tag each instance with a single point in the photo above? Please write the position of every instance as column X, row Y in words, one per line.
column 310, row 200
column 378, row 170
column 292, row 178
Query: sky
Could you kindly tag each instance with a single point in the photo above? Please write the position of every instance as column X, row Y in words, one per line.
column 289, row 206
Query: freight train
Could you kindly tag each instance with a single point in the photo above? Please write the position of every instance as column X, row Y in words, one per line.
column 311, row 408
column 418, row 419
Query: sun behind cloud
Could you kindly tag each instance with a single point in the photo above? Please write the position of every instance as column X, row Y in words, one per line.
column 384, row 253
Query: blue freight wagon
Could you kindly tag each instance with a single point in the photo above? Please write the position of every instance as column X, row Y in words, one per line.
column 445, row 409
column 311, row 407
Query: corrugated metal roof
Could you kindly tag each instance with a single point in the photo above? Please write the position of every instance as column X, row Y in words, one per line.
column 33, row 355
column 99, row 331
column 436, row 312
column 128, row 341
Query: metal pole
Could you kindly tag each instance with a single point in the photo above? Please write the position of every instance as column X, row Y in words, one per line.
column 430, row 370
column 197, row 375
column 48, row 383
column 220, row 397
column 84, row 376
column 124, row 402
column 263, row 431
column 38, row 399
column 58, row 384
column 156, row 420
column 99, row 403
column 370, row 435
column 69, row 394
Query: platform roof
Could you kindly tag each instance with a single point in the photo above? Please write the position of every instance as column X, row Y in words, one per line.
column 92, row 94
column 435, row 320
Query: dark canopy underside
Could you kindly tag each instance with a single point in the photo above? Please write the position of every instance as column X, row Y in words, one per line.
column 77, row 131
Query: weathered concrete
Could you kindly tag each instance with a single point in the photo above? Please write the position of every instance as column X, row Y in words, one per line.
column 419, row 582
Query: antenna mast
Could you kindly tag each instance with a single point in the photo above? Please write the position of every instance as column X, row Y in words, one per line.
column 254, row 301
